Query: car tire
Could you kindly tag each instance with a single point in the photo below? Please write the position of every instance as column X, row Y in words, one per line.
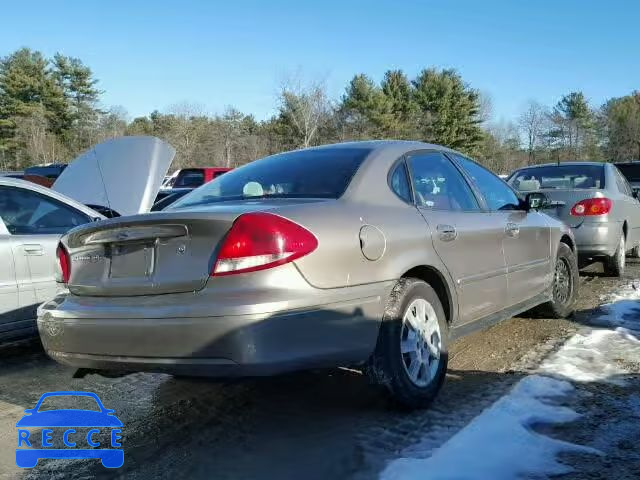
column 565, row 284
column 614, row 265
column 411, row 354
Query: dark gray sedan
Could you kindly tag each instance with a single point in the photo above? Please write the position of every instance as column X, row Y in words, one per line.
column 596, row 201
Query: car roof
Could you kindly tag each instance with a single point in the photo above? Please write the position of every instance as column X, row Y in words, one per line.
column 555, row 164
column 19, row 183
column 378, row 145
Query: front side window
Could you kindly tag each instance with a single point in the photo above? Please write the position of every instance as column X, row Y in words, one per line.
column 26, row 212
column 314, row 173
column 496, row 193
column 438, row 185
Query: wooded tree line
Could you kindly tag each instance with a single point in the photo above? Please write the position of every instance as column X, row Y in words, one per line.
column 50, row 111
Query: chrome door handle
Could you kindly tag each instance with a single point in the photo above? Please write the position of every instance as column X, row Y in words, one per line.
column 446, row 233
column 33, row 249
column 512, row 229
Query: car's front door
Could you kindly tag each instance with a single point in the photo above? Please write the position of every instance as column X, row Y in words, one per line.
column 466, row 239
column 526, row 238
column 35, row 223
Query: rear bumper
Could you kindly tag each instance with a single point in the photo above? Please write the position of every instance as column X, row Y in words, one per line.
column 261, row 343
column 597, row 239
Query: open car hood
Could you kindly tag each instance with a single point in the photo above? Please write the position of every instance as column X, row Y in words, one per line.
column 123, row 174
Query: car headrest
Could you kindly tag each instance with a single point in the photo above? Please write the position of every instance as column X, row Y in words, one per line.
column 528, row 185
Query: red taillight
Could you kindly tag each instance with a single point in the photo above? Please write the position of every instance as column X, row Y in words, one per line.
column 262, row 240
column 592, row 206
column 65, row 264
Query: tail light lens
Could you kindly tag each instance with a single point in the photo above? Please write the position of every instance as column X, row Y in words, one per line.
column 592, row 206
column 64, row 261
column 258, row 241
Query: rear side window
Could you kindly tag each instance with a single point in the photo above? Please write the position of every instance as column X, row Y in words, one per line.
column 622, row 183
column 400, row 182
column 438, row 184
column 630, row 171
column 315, row 173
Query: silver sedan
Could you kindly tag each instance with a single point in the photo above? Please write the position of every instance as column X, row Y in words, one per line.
column 374, row 254
column 596, row 201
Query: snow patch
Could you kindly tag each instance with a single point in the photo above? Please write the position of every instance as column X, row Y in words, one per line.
column 501, row 442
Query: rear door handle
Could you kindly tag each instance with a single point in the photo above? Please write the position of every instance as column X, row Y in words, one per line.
column 33, row 249
column 447, row 233
column 512, row 229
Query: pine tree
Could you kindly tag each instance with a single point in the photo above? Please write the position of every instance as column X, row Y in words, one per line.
column 28, row 89
column 365, row 109
column 449, row 110
column 401, row 117
column 79, row 87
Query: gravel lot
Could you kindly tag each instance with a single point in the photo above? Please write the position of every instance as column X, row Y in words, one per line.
column 321, row 424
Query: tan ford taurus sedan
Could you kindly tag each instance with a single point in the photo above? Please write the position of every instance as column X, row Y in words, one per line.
column 375, row 254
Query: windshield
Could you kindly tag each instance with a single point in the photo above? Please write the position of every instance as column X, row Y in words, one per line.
column 558, row 177
column 321, row 173
column 189, row 178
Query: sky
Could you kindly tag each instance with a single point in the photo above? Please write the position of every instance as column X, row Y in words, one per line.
column 155, row 54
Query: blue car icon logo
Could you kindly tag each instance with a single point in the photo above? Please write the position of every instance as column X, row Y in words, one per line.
column 76, row 428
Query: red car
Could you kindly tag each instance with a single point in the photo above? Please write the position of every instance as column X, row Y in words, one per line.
column 194, row 177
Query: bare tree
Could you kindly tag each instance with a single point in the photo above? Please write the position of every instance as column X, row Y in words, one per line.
column 531, row 122
column 38, row 144
column 485, row 102
column 305, row 105
column 184, row 131
column 112, row 124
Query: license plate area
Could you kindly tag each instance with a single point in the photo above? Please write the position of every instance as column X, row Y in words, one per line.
column 131, row 260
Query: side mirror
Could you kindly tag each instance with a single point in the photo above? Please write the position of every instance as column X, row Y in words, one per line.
column 636, row 193
column 536, row 201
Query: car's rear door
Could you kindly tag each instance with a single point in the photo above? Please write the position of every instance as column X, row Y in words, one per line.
column 525, row 238
column 467, row 239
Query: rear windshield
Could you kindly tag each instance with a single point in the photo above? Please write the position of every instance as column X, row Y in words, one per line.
column 631, row 172
column 558, row 177
column 322, row 173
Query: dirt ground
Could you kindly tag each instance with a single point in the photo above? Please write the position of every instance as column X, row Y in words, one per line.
column 321, row 424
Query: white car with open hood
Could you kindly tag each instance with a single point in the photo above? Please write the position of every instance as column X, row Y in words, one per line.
column 121, row 175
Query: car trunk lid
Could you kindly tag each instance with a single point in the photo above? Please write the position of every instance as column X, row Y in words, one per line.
column 165, row 252
column 562, row 200
column 144, row 255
